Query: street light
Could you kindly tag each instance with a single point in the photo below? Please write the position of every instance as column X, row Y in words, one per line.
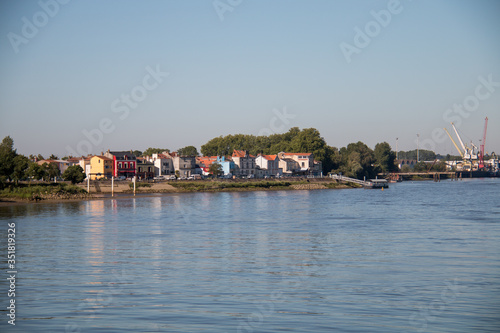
column 418, row 136
column 397, row 149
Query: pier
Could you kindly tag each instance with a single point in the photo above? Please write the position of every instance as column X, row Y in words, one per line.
column 372, row 183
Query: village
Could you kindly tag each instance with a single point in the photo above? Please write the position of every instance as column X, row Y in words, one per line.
column 122, row 165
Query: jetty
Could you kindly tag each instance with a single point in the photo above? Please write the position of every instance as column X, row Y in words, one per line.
column 372, row 183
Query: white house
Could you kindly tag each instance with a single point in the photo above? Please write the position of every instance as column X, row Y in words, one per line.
column 269, row 164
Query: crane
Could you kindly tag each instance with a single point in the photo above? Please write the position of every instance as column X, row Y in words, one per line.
column 483, row 143
column 456, row 146
column 466, row 153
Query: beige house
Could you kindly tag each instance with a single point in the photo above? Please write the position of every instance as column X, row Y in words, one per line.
column 186, row 165
column 244, row 162
column 268, row 164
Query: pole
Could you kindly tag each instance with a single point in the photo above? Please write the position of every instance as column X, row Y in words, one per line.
column 397, row 149
column 418, row 136
column 112, row 186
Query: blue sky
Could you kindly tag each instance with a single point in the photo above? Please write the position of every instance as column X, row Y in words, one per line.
column 249, row 67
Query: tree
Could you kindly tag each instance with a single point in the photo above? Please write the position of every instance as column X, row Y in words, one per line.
column 53, row 171
column 40, row 157
column 385, row 158
column 215, row 169
column 356, row 161
column 36, row 171
column 74, row 174
column 137, row 153
column 53, row 157
column 150, row 151
column 21, row 164
column 7, row 155
column 188, row 151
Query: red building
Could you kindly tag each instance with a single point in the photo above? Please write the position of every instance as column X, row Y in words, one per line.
column 124, row 163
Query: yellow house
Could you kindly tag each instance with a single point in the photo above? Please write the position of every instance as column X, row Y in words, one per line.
column 101, row 167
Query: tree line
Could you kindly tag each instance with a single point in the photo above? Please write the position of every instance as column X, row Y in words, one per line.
column 15, row 167
column 356, row 160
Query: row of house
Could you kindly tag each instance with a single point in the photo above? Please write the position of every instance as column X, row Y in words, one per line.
column 124, row 164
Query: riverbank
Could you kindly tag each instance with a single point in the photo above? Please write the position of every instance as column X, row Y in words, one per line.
column 102, row 189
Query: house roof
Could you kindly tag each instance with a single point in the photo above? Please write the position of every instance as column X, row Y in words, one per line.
column 122, row 154
column 103, row 157
column 293, row 154
column 240, row 153
column 270, row 157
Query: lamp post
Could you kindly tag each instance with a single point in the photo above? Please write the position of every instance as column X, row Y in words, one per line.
column 397, row 149
column 418, row 136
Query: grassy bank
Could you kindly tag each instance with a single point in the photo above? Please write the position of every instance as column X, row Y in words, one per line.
column 214, row 186
column 43, row 191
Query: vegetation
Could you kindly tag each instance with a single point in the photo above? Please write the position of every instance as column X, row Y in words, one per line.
column 423, row 155
column 150, row 151
column 188, row 151
column 189, row 186
column 356, row 160
column 74, row 174
column 137, row 185
column 41, row 191
column 215, row 169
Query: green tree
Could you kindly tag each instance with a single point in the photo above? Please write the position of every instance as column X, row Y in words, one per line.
column 215, row 169
column 7, row 155
column 420, row 167
column 188, row 151
column 36, row 171
column 74, row 174
column 40, row 157
column 53, row 157
column 150, row 151
column 356, row 161
column 385, row 158
column 137, row 153
column 21, row 164
column 53, row 171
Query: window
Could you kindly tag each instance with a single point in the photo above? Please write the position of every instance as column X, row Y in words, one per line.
column 303, row 164
column 125, row 165
column 120, row 165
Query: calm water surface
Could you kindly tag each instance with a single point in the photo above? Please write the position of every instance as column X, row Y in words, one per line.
column 417, row 257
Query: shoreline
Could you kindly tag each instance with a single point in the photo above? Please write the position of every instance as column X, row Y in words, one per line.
column 149, row 192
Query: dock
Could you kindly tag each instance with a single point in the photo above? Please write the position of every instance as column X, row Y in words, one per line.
column 372, row 183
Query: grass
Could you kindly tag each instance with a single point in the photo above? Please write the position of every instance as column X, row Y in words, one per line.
column 228, row 186
column 40, row 191
column 137, row 185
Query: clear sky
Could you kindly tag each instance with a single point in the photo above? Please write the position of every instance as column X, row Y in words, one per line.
column 139, row 74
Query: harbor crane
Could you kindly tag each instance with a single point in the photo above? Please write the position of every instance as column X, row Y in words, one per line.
column 468, row 152
column 456, row 146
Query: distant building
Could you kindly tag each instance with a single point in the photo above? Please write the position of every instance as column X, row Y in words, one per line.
column 124, row 163
column 101, row 167
column 409, row 163
column 269, row 165
column 145, row 168
column 244, row 163
column 184, row 165
column 163, row 164
column 228, row 165
column 61, row 164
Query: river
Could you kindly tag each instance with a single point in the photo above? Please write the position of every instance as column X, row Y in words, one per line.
column 417, row 257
